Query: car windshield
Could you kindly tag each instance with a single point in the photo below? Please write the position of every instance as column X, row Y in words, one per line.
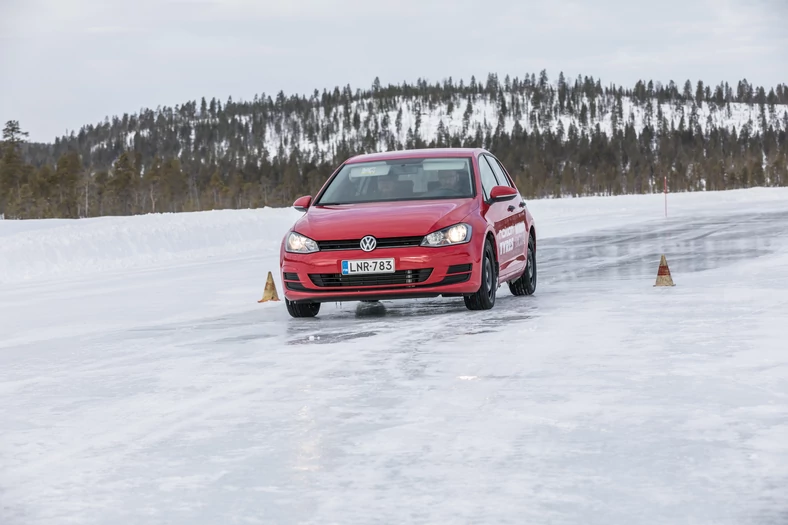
column 400, row 180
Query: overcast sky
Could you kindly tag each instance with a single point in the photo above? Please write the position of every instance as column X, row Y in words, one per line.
column 66, row 63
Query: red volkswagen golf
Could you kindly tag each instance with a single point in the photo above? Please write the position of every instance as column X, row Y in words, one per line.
column 408, row 224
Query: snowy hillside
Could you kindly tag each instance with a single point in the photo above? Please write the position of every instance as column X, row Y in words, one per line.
column 438, row 122
column 382, row 117
column 556, row 139
column 319, row 132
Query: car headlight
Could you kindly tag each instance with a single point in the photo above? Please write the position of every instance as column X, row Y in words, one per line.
column 297, row 243
column 457, row 234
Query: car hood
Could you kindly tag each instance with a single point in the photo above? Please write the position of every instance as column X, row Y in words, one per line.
column 384, row 219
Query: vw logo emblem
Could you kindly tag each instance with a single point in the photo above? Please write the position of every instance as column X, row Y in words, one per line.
column 368, row 243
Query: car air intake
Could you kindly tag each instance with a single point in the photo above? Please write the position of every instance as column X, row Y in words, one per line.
column 337, row 280
column 355, row 244
column 455, row 279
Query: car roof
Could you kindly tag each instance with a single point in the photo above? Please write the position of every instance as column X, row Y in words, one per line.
column 416, row 153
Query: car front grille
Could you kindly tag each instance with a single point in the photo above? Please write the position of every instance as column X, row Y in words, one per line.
column 355, row 244
column 337, row 280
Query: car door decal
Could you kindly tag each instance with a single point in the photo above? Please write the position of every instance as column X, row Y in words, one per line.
column 510, row 233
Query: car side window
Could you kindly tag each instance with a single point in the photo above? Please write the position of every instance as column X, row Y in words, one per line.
column 499, row 174
column 487, row 176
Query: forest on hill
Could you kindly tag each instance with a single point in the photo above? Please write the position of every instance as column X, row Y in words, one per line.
column 557, row 138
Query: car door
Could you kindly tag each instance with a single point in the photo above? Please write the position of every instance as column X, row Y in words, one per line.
column 498, row 214
column 512, row 233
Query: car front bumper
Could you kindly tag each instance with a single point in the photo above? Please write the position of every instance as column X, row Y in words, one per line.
column 420, row 272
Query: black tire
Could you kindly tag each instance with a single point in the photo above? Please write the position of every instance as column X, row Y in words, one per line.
column 302, row 309
column 526, row 283
column 484, row 299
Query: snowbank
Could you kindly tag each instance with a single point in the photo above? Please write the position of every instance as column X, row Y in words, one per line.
column 55, row 249
column 568, row 216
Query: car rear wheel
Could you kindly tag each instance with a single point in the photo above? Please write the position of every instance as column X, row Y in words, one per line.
column 526, row 283
column 302, row 309
column 484, row 299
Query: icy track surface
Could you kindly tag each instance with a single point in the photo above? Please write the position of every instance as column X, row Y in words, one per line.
column 141, row 382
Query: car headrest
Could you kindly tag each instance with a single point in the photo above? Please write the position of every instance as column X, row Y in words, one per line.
column 404, row 188
column 464, row 183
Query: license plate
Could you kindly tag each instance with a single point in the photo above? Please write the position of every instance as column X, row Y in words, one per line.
column 357, row 267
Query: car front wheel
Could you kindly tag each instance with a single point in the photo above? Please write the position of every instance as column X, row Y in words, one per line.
column 484, row 299
column 302, row 309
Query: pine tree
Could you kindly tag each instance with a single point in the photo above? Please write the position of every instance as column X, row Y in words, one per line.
column 151, row 181
column 562, row 91
column 11, row 165
column 466, row 116
column 121, row 185
column 356, row 121
column 440, row 138
column 68, row 176
column 687, row 93
column 699, row 94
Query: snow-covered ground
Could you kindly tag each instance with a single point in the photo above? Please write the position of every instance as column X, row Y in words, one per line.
column 141, row 382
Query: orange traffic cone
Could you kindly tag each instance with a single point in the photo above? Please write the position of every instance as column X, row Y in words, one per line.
column 663, row 274
column 269, row 294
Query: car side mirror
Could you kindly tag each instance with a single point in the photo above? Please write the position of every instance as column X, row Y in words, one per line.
column 502, row 193
column 302, row 203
